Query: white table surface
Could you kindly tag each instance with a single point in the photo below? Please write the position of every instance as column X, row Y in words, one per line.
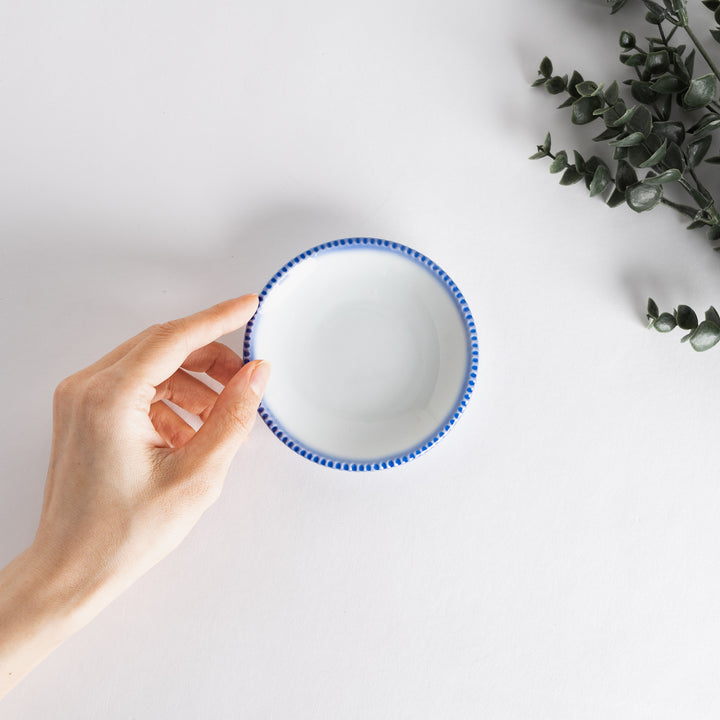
column 557, row 555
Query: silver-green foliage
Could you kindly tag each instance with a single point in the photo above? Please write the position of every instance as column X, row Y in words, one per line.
column 659, row 138
column 702, row 335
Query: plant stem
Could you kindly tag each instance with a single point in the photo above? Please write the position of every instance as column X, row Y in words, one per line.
column 698, row 184
column 693, row 192
column 701, row 49
column 677, row 207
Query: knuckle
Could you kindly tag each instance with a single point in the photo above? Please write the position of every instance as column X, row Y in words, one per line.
column 170, row 327
column 162, row 332
column 98, row 394
column 65, row 391
column 93, row 395
column 169, row 333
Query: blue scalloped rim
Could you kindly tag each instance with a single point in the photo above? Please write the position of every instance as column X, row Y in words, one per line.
column 453, row 417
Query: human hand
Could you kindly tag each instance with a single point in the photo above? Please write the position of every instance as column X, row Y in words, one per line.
column 128, row 478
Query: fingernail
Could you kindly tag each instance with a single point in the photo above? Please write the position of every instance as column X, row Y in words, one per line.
column 259, row 377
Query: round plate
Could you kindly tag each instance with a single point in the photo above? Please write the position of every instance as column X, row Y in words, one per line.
column 373, row 350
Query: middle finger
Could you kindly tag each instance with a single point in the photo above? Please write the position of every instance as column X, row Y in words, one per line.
column 188, row 393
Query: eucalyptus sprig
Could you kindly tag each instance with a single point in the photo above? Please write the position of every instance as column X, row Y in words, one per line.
column 702, row 335
column 659, row 139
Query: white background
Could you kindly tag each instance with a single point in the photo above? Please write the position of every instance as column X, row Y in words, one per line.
column 557, row 555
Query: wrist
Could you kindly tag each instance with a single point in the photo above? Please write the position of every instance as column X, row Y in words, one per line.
column 34, row 617
column 69, row 589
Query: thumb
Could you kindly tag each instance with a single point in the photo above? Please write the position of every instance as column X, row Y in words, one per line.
column 232, row 417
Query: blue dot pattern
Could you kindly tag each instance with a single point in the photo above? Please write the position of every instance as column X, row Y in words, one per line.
column 339, row 463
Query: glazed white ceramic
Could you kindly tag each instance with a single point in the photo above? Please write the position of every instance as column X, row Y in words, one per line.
column 373, row 353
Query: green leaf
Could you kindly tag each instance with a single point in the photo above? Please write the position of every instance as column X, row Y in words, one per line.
column 706, row 335
column 608, row 134
column 570, row 176
column 617, row 5
column 546, row 67
column 642, row 92
column 664, row 177
column 612, row 94
column 600, row 180
column 620, row 153
column 638, row 154
column 582, row 109
column 542, row 150
column 586, row 88
column 713, row 233
column 665, row 323
column 579, row 161
column 653, row 311
column 617, row 197
column 656, row 157
column 706, row 127
column 674, row 157
column 713, row 5
column 697, row 150
column 611, row 113
column 711, row 315
column 654, row 7
column 686, row 318
column 625, row 176
column 641, row 121
column 700, row 92
column 592, row 164
column 555, row 85
column 715, row 32
column 713, row 160
column 667, row 85
column 634, row 60
column 655, row 18
column 627, row 40
column 690, row 62
column 673, row 131
column 629, row 140
column 626, row 117
column 641, row 197
column 703, row 121
column 657, row 62
column 559, row 163
column 665, row 107
column 575, row 79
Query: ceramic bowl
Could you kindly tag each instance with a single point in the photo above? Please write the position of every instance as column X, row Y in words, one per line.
column 373, row 351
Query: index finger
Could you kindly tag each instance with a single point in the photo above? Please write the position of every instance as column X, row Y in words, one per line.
column 166, row 346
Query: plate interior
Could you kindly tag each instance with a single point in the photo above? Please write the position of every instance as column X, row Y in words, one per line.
column 370, row 353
